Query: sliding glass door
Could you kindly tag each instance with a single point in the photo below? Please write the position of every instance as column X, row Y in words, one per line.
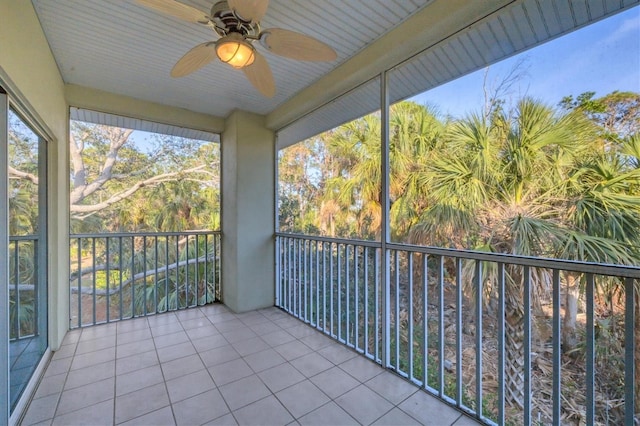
column 24, row 268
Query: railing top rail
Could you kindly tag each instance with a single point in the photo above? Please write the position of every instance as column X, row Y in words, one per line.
column 23, row 237
column 363, row 243
column 539, row 262
column 143, row 234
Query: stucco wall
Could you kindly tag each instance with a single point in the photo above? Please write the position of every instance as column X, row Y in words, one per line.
column 248, row 212
column 31, row 75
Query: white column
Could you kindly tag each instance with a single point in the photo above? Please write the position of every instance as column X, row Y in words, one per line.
column 248, row 209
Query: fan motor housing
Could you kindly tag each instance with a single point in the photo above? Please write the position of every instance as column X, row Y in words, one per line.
column 226, row 21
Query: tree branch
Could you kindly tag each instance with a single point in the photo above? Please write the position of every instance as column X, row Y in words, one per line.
column 140, row 275
column 117, row 138
column 165, row 177
column 23, row 175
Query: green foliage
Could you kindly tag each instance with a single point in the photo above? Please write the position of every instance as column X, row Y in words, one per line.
column 122, row 184
column 528, row 180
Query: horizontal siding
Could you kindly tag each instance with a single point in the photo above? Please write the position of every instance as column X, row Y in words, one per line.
column 95, row 117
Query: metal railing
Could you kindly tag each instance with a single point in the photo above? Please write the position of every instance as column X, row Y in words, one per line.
column 481, row 331
column 124, row 275
column 23, row 293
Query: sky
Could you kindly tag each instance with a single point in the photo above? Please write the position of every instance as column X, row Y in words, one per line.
column 600, row 58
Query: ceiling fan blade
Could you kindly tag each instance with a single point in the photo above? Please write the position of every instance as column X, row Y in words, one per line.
column 195, row 59
column 177, row 10
column 294, row 45
column 259, row 74
column 250, row 10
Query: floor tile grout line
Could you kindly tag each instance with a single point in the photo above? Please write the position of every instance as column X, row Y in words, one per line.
column 73, row 357
column 243, row 357
column 164, row 380
column 208, row 372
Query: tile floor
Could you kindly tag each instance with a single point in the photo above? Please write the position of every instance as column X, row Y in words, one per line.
column 210, row 366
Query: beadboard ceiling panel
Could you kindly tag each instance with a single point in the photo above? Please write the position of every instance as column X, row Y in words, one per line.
column 345, row 108
column 89, row 116
column 121, row 47
column 514, row 28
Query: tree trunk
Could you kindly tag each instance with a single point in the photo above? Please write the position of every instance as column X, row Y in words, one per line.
column 514, row 353
column 572, row 294
column 514, row 340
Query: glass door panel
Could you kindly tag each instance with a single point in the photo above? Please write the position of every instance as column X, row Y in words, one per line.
column 26, row 253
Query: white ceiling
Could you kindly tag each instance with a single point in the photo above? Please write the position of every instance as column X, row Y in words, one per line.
column 121, row 47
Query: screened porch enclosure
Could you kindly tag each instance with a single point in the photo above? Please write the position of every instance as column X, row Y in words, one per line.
column 247, row 321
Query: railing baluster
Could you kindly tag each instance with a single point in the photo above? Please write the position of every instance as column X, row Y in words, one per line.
column 279, row 271
column 133, row 283
column 166, row 274
column 441, row 326
column 94, row 277
column 376, row 295
column 16, row 283
column 308, row 282
column 297, row 285
column 425, row 321
column 317, row 252
column 396, row 289
column 79, row 256
column 527, row 346
column 324, row 287
column 144, row 273
column 303, row 279
column 365, row 340
column 629, row 352
column 206, row 270
column 177, row 286
column 459, row 332
column 186, row 273
column 120, row 275
column 339, row 292
column 155, row 275
column 311, row 286
column 590, row 355
column 347, row 285
column 108, row 296
column 331, row 281
column 290, row 249
column 479, row 291
column 410, row 277
column 557, row 354
column 290, row 274
column 386, row 301
column 501, row 342
column 356, row 318
column 196, row 272
column 36, row 290
column 216, row 280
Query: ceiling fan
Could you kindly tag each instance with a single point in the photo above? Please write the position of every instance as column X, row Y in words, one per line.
column 237, row 23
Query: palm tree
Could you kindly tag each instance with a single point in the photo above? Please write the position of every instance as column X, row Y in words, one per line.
column 353, row 184
column 494, row 190
column 354, row 163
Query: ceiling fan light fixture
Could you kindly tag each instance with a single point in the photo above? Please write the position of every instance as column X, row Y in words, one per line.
column 234, row 50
